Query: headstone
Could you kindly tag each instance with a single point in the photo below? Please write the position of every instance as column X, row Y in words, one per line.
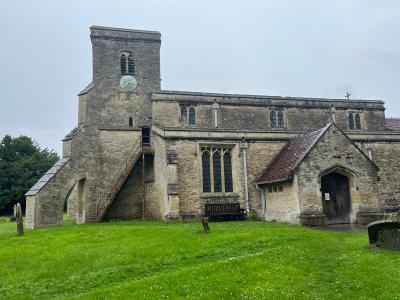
column 389, row 239
column 206, row 227
column 20, row 224
column 384, row 234
column 14, row 216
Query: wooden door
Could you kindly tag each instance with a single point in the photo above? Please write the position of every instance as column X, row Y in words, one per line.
column 336, row 198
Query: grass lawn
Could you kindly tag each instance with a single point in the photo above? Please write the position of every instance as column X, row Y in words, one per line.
column 157, row 260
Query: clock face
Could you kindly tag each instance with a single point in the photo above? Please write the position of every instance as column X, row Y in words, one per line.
column 128, row 83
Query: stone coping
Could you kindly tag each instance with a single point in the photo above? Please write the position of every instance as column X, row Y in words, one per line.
column 47, row 176
column 244, row 99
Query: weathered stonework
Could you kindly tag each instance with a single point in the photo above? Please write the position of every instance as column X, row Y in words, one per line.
column 165, row 176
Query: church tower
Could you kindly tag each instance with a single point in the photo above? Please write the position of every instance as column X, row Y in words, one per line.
column 126, row 70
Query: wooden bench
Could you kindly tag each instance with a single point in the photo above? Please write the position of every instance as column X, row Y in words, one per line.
column 224, row 211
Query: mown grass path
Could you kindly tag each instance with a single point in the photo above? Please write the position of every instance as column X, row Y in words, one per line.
column 158, row 260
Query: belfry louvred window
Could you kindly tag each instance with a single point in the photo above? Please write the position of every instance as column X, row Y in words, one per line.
column 123, row 64
column 217, row 170
column 127, row 64
column 131, row 65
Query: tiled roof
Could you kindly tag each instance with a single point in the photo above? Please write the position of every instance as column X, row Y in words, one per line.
column 287, row 160
column 392, row 124
column 46, row 177
column 87, row 89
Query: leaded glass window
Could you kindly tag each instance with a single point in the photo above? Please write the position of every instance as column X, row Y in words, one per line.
column 228, row 172
column 192, row 116
column 281, row 123
column 357, row 121
column 205, row 160
column 272, row 119
column 217, row 172
column 217, row 169
column 183, row 112
column 351, row 121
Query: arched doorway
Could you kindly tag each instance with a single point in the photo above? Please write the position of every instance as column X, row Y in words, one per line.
column 336, row 200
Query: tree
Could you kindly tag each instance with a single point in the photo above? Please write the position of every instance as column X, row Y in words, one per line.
column 22, row 163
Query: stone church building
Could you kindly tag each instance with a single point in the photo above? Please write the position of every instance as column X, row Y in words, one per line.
column 142, row 152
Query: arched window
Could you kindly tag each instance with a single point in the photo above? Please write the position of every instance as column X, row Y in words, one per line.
column 228, row 172
column 192, row 116
column 281, row 123
column 123, row 64
column 272, row 118
column 183, row 112
column 130, row 121
column 205, row 160
column 131, row 65
column 217, row 172
column 351, row 121
column 357, row 121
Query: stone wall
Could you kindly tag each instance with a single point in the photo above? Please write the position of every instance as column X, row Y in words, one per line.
column 259, row 156
column 387, row 157
column 331, row 152
column 253, row 112
column 191, row 197
column 282, row 205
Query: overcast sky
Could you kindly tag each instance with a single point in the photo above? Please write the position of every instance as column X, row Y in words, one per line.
column 288, row 48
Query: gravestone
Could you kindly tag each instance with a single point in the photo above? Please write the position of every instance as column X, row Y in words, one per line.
column 20, row 224
column 14, row 216
column 206, row 227
column 384, row 234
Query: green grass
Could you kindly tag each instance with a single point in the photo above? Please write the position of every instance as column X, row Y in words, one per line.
column 157, row 260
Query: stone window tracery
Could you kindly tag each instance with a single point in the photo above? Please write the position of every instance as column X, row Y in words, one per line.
column 205, row 161
column 272, row 118
column 351, row 121
column 127, row 64
column 123, row 64
column 277, row 119
column 354, row 121
column 281, row 123
column 183, row 113
column 192, row 116
column 217, row 170
column 357, row 122
column 188, row 115
column 131, row 65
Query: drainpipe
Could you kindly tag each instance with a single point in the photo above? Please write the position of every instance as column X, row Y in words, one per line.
column 263, row 202
column 246, row 188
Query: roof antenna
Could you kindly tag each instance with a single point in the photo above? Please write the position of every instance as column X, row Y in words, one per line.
column 348, row 95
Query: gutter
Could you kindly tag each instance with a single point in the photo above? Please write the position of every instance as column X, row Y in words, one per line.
column 245, row 175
